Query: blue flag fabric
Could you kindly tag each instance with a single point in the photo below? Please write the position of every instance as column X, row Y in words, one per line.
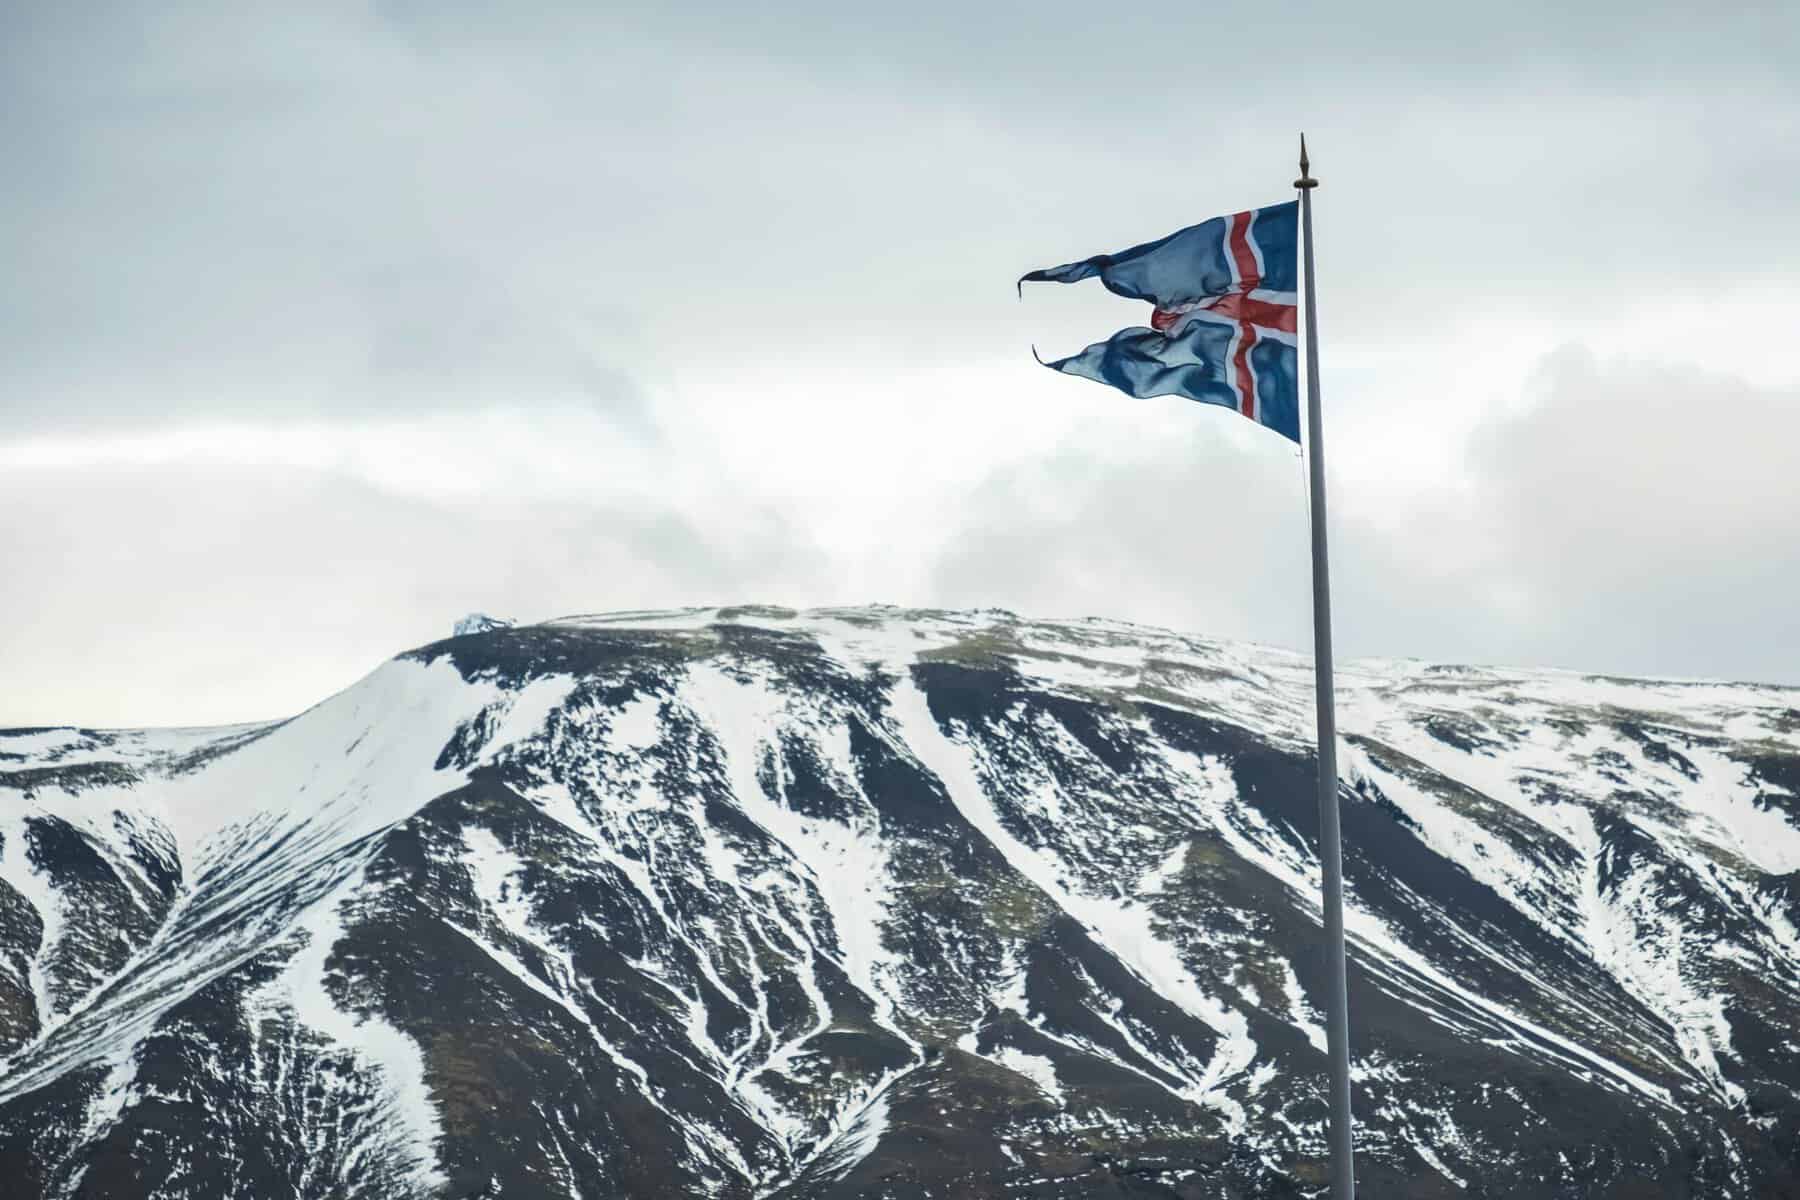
column 1224, row 318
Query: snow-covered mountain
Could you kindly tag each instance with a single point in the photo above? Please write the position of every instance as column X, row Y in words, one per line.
column 875, row 902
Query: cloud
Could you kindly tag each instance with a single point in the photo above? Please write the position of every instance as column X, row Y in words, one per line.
column 230, row 210
column 328, row 322
column 210, row 592
column 1618, row 516
column 1641, row 513
column 1204, row 530
column 1621, row 516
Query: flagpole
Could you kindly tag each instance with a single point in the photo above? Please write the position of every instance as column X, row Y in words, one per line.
column 1331, row 851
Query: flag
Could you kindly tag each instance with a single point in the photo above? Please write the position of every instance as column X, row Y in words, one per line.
column 1223, row 320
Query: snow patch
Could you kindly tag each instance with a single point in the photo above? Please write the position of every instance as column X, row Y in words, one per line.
column 479, row 623
column 635, row 726
column 24, row 877
column 1160, row 876
column 862, row 1137
column 1035, row 1067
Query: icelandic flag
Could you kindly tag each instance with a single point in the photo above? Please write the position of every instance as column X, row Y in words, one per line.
column 1223, row 322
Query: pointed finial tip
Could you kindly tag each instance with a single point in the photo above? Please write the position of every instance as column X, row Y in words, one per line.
column 1306, row 180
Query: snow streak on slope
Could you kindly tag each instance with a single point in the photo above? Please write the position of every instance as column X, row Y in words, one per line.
column 402, row 1126
column 846, row 863
column 29, row 882
column 1125, row 928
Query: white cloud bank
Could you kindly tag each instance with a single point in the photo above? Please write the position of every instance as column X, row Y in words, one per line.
column 1621, row 517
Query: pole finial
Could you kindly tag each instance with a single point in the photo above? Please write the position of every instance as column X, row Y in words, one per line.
column 1306, row 180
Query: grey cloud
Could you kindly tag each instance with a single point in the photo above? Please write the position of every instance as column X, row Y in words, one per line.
column 253, row 211
column 1628, row 518
column 1202, row 533
column 283, row 218
column 1645, row 514
column 987, row 46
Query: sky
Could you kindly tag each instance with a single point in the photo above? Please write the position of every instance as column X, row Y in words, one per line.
column 324, row 325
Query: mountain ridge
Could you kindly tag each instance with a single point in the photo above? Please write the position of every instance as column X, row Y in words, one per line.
column 751, row 902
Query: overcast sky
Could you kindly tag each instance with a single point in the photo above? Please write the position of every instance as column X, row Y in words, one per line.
column 322, row 325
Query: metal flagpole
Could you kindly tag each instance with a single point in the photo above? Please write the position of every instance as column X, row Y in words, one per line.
column 1331, row 850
